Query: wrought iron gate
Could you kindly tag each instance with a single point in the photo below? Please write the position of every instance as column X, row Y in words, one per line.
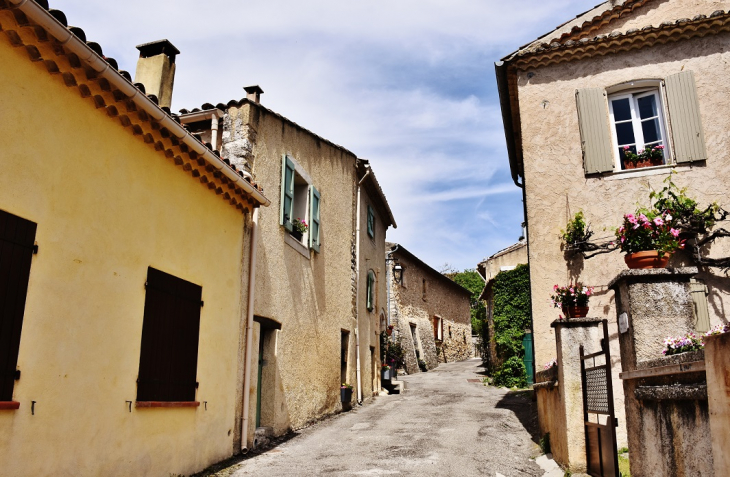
column 601, row 452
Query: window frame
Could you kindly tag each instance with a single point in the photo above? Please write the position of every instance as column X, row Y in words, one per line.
column 633, row 94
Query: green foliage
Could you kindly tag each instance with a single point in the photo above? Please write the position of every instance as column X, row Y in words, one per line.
column 576, row 229
column 686, row 213
column 545, row 443
column 472, row 281
column 511, row 317
column 394, row 353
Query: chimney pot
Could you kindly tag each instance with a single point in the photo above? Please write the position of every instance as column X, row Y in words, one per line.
column 156, row 69
column 253, row 93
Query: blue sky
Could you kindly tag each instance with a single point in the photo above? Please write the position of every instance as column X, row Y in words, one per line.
column 407, row 84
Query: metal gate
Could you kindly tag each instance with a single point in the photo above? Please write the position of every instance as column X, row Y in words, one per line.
column 601, row 452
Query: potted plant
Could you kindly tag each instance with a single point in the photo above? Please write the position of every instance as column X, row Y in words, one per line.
column 299, row 228
column 385, row 372
column 345, row 393
column 389, row 330
column 572, row 299
column 647, row 157
column 648, row 238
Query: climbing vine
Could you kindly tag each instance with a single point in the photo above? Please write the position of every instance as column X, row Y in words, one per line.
column 511, row 317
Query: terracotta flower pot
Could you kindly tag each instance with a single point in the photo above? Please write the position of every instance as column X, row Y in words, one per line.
column 575, row 311
column 646, row 259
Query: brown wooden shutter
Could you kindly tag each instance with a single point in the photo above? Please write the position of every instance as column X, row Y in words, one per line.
column 595, row 134
column 169, row 354
column 17, row 238
column 688, row 139
column 699, row 299
column 435, row 327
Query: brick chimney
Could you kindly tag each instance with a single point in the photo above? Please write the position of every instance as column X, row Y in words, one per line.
column 156, row 69
column 253, row 93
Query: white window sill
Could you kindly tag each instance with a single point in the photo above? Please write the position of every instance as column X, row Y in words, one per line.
column 296, row 245
column 645, row 171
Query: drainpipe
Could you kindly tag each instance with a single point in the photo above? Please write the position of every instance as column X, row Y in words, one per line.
column 357, row 291
column 249, row 331
column 214, row 132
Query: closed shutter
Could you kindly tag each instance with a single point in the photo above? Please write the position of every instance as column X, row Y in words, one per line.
column 595, row 134
column 699, row 300
column 17, row 237
column 684, row 115
column 287, row 193
column 314, row 222
column 371, row 222
column 168, row 360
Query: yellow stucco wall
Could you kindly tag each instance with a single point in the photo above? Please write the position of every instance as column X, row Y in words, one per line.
column 107, row 207
column 557, row 186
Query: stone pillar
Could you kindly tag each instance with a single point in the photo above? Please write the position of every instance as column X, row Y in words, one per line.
column 570, row 334
column 651, row 305
column 717, row 368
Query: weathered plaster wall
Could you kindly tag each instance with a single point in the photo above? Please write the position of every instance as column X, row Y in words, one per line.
column 557, row 186
column 108, row 206
column 717, row 363
column 309, row 293
column 442, row 299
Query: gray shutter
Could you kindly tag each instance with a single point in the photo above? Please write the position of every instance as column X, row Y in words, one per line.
column 684, row 115
column 315, row 201
column 699, row 299
column 595, row 134
column 287, row 193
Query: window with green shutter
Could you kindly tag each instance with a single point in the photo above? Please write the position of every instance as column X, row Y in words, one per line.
column 371, row 291
column 314, row 221
column 371, row 222
column 287, row 193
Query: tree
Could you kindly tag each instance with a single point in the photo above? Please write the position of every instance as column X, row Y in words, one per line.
column 472, row 281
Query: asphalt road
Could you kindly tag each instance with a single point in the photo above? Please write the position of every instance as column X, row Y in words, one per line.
column 441, row 425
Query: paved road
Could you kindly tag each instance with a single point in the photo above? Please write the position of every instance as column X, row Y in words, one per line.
column 441, row 425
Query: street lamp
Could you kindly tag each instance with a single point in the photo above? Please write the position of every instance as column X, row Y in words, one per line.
column 398, row 273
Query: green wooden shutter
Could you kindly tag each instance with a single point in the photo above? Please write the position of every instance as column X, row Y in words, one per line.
column 595, row 132
column 287, row 192
column 371, row 222
column 684, row 115
column 314, row 223
column 699, row 299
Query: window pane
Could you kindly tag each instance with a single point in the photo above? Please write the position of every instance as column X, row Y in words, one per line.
column 647, row 107
column 621, row 109
column 625, row 133
column 651, row 130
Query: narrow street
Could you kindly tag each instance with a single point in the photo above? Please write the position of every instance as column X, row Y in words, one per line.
column 442, row 424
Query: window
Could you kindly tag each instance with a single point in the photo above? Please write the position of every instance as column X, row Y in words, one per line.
column 17, row 244
column 300, row 201
column 633, row 115
column 371, row 222
column 637, row 123
column 425, row 289
column 371, row 291
column 169, row 354
column 438, row 328
column 344, row 350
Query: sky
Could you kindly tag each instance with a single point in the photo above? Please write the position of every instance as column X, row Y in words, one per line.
column 406, row 84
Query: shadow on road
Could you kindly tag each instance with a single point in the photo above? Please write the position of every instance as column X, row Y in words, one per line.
column 522, row 404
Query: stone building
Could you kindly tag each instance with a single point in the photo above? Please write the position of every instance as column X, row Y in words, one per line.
column 319, row 294
column 430, row 313
column 629, row 73
column 124, row 266
column 506, row 259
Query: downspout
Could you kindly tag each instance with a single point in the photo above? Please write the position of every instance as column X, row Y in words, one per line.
column 214, row 132
column 357, row 291
column 249, row 331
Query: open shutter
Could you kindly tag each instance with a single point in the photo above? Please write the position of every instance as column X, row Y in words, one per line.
column 699, row 300
column 168, row 360
column 17, row 237
column 595, row 132
column 314, row 204
column 287, row 193
column 684, row 116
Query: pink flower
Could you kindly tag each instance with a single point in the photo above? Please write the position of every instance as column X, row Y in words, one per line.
column 658, row 221
column 630, row 218
column 658, row 147
column 626, row 148
column 623, row 239
column 643, row 218
column 674, row 232
column 555, row 288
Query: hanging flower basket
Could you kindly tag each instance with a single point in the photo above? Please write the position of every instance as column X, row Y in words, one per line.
column 647, row 259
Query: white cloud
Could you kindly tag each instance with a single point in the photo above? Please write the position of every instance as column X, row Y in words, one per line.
column 407, row 84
